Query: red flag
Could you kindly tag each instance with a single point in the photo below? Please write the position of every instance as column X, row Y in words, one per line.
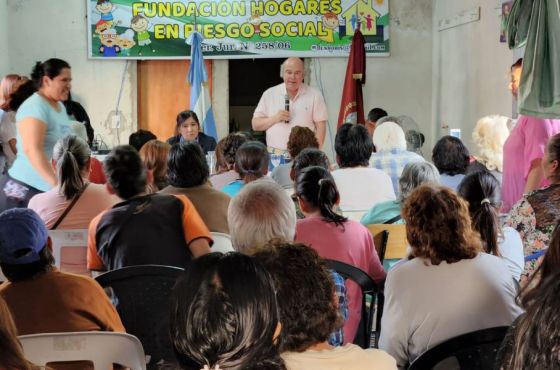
column 352, row 103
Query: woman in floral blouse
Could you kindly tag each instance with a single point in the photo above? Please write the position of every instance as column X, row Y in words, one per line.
column 536, row 214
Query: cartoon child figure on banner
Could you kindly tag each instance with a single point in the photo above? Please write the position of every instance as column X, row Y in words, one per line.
column 101, row 26
column 256, row 21
column 109, row 47
column 126, row 42
column 140, row 25
column 106, row 8
column 330, row 21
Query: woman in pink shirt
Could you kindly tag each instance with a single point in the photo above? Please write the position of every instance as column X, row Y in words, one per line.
column 334, row 236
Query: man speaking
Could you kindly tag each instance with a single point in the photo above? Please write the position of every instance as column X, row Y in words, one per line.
column 290, row 104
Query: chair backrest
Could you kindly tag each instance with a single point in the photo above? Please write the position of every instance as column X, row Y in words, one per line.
column 103, row 349
column 475, row 350
column 70, row 250
column 354, row 215
column 393, row 241
column 141, row 295
column 222, row 242
column 368, row 287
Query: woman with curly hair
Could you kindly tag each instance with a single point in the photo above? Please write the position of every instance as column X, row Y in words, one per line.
column 154, row 155
column 224, row 315
column 309, row 314
column 446, row 287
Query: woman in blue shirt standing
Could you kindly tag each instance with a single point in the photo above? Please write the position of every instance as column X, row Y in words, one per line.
column 41, row 121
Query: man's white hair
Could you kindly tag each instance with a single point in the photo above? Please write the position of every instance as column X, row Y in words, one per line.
column 261, row 211
column 284, row 63
column 490, row 134
column 389, row 135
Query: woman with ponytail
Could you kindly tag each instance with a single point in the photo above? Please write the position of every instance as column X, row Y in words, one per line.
column 334, row 236
column 482, row 191
column 74, row 202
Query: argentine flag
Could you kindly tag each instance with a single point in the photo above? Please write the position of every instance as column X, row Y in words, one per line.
column 200, row 102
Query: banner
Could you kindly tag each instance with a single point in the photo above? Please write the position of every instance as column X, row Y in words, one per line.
column 231, row 29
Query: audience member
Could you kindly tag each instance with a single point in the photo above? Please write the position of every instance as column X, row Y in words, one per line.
column 414, row 138
column 154, row 155
column 139, row 138
column 224, row 315
column 188, row 129
column 489, row 135
column 445, row 263
column 74, row 202
column 96, row 174
column 414, row 174
column 225, row 160
column 300, row 138
column 334, row 236
column 481, row 190
column 11, row 352
column 144, row 228
column 451, row 158
column 391, row 155
column 536, row 214
column 360, row 187
column 41, row 121
column 41, row 298
column 373, row 116
column 187, row 172
column 308, row 313
column 251, row 163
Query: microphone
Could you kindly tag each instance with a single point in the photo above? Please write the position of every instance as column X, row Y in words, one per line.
column 287, row 105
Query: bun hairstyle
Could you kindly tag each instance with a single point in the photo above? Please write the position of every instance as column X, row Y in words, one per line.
column 50, row 68
column 72, row 156
column 316, row 186
column 251, row 160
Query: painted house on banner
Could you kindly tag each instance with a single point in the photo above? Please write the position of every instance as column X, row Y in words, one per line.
column 362, row 14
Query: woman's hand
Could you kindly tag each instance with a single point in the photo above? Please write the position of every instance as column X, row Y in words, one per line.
column 32, row 132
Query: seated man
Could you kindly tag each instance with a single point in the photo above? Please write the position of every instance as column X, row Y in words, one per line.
column 309, row 314
column 145, row 228
column 41, row 298
column 187, row 174
column 360, row 187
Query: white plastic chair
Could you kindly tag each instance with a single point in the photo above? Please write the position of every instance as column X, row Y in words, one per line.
column 222, row 242
column 70, row 260
column 103, row 349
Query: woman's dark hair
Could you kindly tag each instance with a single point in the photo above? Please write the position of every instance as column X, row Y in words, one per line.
column 139, row 138
column 185, row 115
column 305, row 290
column 251, row 161
column 299, row 139
column 125, row 171
column 72, row 156
column 450, row 156
column 50, row 68
column 11, row 352
column 316, row 186
column 28, row 271
column 224, row 312
column 226, row 150
column 186, row 165
column 482, row 191
column 24, row 91
column 306, row 158
column 353, row 145
column 553, row 152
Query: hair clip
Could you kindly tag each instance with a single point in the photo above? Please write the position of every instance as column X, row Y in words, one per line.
column 485, row 200
column 321, row 181
column 206, row 367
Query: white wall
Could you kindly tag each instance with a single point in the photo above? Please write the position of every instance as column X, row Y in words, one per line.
column 37, row 30
column 401, row 83
column 470, row 69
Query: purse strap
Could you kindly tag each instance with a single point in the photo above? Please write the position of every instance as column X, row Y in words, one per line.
column 70, row 206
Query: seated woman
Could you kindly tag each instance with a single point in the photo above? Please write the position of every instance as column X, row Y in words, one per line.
column 532, row 340
column 188, row 129
column 74, row 202
column 451, row 158
column 154, row 155
column 482, row 191
column 251, row 163
column 489, row 135
column 536, row 214
column 8, row 86
column 305, row 291
column 300, row 138
column 414, row 174
column 225, row 159
column 334, row 236
column 224, row 315
column 446, row 287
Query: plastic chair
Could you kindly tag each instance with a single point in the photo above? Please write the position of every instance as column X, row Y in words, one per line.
column 222, row 242
column 141, row 295
column 390, row 240
column 103, row 349
column 70, row 250
column 475, row 350
column 369, row 287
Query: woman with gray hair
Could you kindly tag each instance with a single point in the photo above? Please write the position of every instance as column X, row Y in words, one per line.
column 414, row 174
column 74, row 202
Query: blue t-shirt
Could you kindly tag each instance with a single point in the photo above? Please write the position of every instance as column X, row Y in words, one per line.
column 58, row 125
column 233, row 188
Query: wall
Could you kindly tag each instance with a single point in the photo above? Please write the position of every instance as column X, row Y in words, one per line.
column 38, row 31
column 4, row 55
column 470, row 69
